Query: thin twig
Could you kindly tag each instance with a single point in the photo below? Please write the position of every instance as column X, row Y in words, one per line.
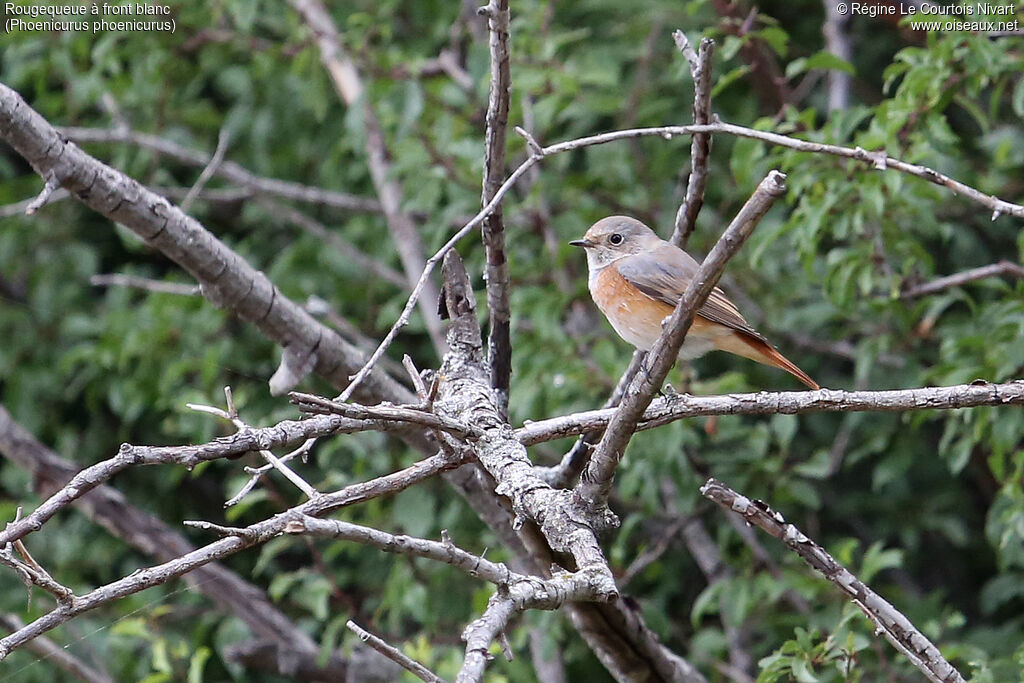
column 440, row 551
column 310, row 403
column 700, row 145
column 231, row 414
column 897, row 629
column 136, row 282
column 596, row 480
column 208, row 172
column 259, row 532
column 51, row 185
column 499, row 342
column 1001, row 268
column 394, row 654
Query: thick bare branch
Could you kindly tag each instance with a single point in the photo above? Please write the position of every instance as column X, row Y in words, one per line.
column 682, row 406
column 596, row 480
column 499, row 343
column 897, row 629
column 700, row 145
column 227, row 280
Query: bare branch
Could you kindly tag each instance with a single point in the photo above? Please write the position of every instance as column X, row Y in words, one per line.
column 208, row 172
column 596, row 480
column 837, row 41
column 878, row 160
column 228, row 170
column 143, row 531
column 245, row 441
column 1001, row 268
column 440, row 551
column 682, row 406
column 310, row 403
column 897, row 628
column 231, row 415
column 348, row 84
column 254, row 534
column 31, row 572
column 528, row 593
column 52, row 185
column 572, row 463
column 227, row 280
column 700, row 145
column 499, row 343
column 394, row 654
column 136, row 282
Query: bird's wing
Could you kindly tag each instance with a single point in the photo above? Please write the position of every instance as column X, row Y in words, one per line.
column 664, row 274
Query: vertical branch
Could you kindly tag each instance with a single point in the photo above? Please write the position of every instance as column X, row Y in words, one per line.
column 596, row 482
column 498, row 342
column 700, row 144
column 349, row 86
column 837, row 41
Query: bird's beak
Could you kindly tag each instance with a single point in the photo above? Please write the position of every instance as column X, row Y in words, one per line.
column 582, row 243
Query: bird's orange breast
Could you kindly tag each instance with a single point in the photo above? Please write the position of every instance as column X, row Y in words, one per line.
column 637, row 317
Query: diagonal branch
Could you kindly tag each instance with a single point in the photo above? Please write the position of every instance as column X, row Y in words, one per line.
column 393, row 653
column 226, row 279
column 682, row 406
column 1001, row 268
column 897, row 629
column 499, row 343
column 596, row 481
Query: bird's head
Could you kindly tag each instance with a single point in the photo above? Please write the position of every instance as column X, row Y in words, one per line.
column 615, row 237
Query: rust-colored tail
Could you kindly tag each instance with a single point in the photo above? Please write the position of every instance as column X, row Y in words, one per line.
column 751, row 347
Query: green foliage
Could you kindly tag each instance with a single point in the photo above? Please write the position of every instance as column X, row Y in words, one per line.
column 936, row 498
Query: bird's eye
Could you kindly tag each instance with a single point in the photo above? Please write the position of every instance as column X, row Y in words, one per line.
column 616, row 238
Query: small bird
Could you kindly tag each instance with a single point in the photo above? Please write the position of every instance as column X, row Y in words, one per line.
column 637, row 278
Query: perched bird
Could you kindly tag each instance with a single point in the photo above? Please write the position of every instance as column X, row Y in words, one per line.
column 637, row 278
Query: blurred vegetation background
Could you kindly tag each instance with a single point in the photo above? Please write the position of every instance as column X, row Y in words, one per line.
column 927, row 507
